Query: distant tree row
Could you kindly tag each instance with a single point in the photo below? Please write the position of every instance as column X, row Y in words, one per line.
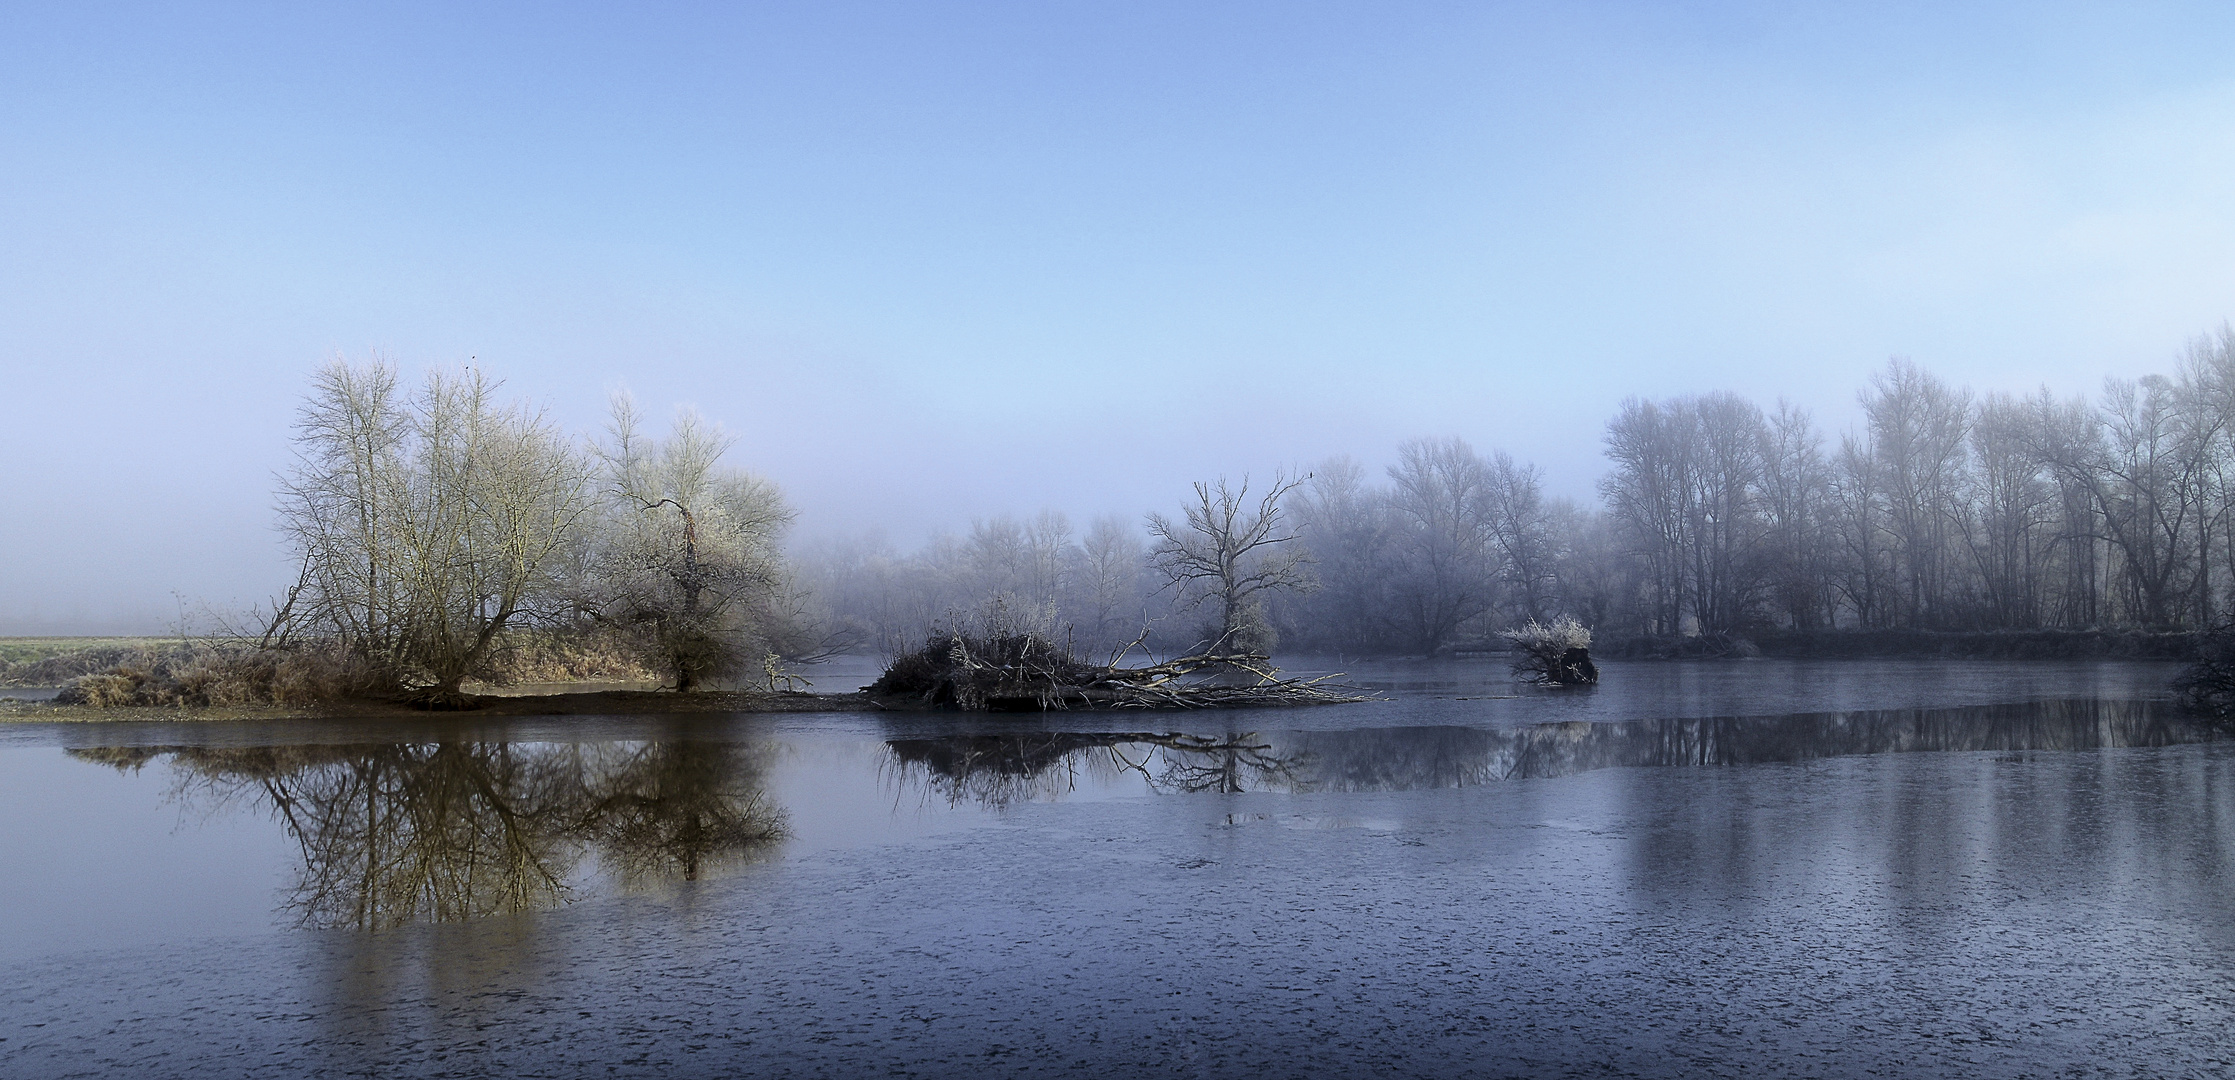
column 1944, row 510
column 1038, row 574
column 430, row 524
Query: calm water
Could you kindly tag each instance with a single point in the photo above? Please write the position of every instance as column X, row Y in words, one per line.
column 1744, row 869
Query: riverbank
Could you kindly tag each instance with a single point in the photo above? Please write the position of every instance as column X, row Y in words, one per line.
column 585, row 703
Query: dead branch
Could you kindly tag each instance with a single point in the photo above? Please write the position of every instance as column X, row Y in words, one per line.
column 1023, row 673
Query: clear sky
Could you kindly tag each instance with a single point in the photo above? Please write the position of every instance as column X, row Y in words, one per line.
column 937, row 261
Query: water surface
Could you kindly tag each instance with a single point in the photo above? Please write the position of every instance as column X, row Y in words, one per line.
column 1757, row 868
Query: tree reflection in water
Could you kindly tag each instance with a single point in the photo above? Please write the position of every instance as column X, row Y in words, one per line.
column 393, row 833
column 669, row 810
column 999, row 770
column 1228, row 766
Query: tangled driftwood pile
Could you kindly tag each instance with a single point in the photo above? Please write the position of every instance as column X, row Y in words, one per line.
column 1555, row 655
column 1027, row 673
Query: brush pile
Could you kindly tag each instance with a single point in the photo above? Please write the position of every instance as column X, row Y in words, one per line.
column 1024, row 672
column 1555, row 655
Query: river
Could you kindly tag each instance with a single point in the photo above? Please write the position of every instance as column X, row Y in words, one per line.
column 1742, row 868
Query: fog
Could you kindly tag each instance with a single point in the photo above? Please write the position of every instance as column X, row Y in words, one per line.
column 937, row 264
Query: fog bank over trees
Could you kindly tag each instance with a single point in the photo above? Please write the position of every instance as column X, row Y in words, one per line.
column 1941, row 509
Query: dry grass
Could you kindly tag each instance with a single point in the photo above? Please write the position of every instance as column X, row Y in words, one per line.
column 107, row 673
column 53, row 661
column 567, row 656
column 211, row 675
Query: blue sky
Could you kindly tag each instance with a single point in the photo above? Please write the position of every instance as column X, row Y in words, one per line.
column 935, row 261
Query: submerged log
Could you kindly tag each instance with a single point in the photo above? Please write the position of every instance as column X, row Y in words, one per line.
column 1026, row 673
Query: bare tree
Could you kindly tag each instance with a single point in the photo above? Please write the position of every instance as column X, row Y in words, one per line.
column 1647, row 496
column 1596, row 581
column 998, row 559
column 2146, row 474
column 426, row 527
column 686, row 556
column 1522, row 530
column 1917, row 437
column 1723, row 525
column 1346, row 526
column 1858, row 503
column 2011, row 512
column 352, row 438
column 1445, row 555
column 1685, row 488
column 2065, row 437
column 1105, row 582
column 1227, row 553
column 1795, row 504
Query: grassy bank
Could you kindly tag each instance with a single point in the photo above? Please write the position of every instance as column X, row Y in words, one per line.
column 53, row 661
column 592, row 703
column 207, row 672
column 532, row 674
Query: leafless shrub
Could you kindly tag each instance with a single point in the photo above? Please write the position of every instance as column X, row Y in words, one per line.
column 572, row 653
column 1558, row 654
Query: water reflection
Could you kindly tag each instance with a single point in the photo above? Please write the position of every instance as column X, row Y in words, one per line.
column 394, row 833
column 999, row 770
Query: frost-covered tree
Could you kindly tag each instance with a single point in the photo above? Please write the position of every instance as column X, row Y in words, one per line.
column 425, row 525
column 685, row 557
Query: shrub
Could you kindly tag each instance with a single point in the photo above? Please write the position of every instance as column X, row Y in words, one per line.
column 1559, row 654
column 205, row 675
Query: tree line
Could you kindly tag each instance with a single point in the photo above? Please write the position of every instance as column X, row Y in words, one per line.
column 431, row 524
column 1942, row 510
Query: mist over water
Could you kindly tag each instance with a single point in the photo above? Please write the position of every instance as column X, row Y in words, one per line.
column 1849, row 391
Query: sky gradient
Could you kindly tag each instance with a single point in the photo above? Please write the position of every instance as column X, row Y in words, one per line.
column 934, row 262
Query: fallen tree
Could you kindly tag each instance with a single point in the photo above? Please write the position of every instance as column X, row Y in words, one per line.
column 1024, row 672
